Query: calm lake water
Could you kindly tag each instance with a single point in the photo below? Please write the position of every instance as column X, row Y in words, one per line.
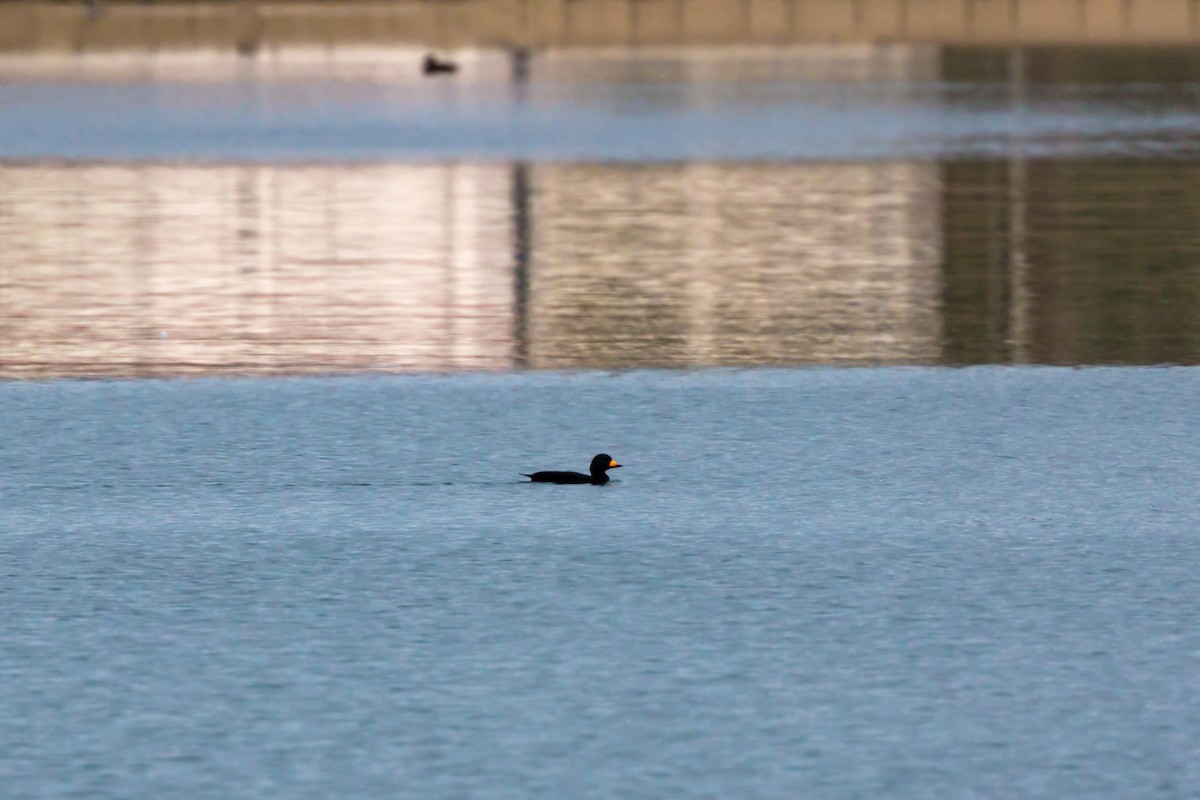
column 907, row 580
column 818, row 583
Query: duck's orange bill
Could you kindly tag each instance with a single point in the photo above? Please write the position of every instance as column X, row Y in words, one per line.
column 612, row 463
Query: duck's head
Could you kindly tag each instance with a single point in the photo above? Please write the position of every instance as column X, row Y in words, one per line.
column 603, row 462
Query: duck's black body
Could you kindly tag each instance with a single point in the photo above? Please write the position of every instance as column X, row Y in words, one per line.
column 432, row 65
column 549, row 476
column 598, row 477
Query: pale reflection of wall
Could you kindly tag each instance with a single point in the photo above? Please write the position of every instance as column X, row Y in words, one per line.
column 188, row 269
column 691, row 265
column 703, row 69
column 397, row 67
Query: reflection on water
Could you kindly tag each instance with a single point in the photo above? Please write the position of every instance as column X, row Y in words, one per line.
column 597, row 209
column 157, row 269
column 735, row 264
column 173, row 269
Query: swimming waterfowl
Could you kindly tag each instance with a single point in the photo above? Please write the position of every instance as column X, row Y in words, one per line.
column 432, row 65
column 599, row 473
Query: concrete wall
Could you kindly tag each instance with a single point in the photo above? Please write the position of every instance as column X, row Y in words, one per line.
column 249, row 26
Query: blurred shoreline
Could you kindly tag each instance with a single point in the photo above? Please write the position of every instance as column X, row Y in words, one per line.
column 248, row 27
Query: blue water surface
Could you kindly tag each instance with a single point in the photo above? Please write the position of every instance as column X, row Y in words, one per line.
column 693, row 105
column 907, row 583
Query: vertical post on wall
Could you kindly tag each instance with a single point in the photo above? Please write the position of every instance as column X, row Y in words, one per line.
column 521, row 34
column 439, row 24
column 248, row 28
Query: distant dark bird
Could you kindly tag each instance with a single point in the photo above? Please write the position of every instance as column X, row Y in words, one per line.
column 432, row 65
column 599, row 473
